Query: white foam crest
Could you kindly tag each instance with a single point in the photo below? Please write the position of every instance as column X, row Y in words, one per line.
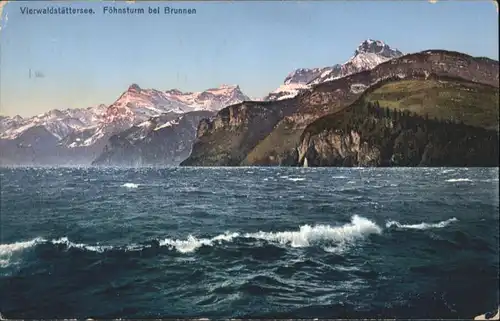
column 452, row 180
column 421, row 226
column 130, row 185
column 192, row 243
column 7, row 250
column 136, row 247
column 296, row 179
column 308, row 235
column 93, row 248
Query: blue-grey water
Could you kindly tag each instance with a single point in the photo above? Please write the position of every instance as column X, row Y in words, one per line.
column 248, row 242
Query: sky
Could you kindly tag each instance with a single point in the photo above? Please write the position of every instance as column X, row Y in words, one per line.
column 89, row 60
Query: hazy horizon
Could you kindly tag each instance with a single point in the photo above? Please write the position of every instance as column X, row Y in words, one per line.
column 93, row 59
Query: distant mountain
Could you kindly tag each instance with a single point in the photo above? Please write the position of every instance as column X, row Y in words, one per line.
column 59, row 123
column 137, row 105
column 368, row 55
column 84, row 132
column 162, row 140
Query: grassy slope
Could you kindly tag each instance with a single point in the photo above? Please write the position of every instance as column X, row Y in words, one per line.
column 474, row 104
column 283, row 136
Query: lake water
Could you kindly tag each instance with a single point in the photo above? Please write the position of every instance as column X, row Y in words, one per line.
column 249, row 242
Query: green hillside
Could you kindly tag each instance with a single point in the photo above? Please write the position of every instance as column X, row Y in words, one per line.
column 474, row 104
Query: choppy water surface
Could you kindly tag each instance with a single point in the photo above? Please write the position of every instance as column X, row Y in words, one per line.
column 248, row 242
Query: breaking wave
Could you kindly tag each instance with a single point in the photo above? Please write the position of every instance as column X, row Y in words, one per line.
column 307, row 235
column 7, row 250
column 331, row 238
column 296, row 179
column 453, row 180
column 421, row 226
column 92, row 248
column 130, row 185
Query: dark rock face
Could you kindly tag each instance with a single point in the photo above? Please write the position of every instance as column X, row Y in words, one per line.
column 383, row 137
column 225, row 139
column 294, row 115
column 163, row 140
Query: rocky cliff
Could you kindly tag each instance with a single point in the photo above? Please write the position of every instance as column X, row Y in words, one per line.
column 224, row 140
column 367, row 135
column 277, row 141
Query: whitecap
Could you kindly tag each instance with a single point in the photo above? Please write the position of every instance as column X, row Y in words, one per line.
column 308, row 235
column 296, row 179
column 453, row 180
column 8, row 250
column 92, row 248
column 421, row 226
column 192, row 243
column 130, row 185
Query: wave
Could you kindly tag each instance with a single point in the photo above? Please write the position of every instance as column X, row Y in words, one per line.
column 306, row 236
column 452, row 180
column 296, row 179
column 192, row 243
column 331, row 238
column 421, row 226
column 92, row 248
column 7, row 250
column 130, row 185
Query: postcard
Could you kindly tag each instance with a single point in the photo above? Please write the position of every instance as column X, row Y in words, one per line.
column 249, row 160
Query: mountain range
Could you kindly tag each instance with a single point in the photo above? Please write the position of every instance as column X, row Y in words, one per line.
column 78, row 136
column 219, row 126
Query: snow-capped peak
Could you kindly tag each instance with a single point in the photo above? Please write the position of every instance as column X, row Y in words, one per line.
column 368, row 55
column 86, row 126
column 58, row 122
column 134, row 88
column 303, row 75
column 137, row 105
column 377, row 47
